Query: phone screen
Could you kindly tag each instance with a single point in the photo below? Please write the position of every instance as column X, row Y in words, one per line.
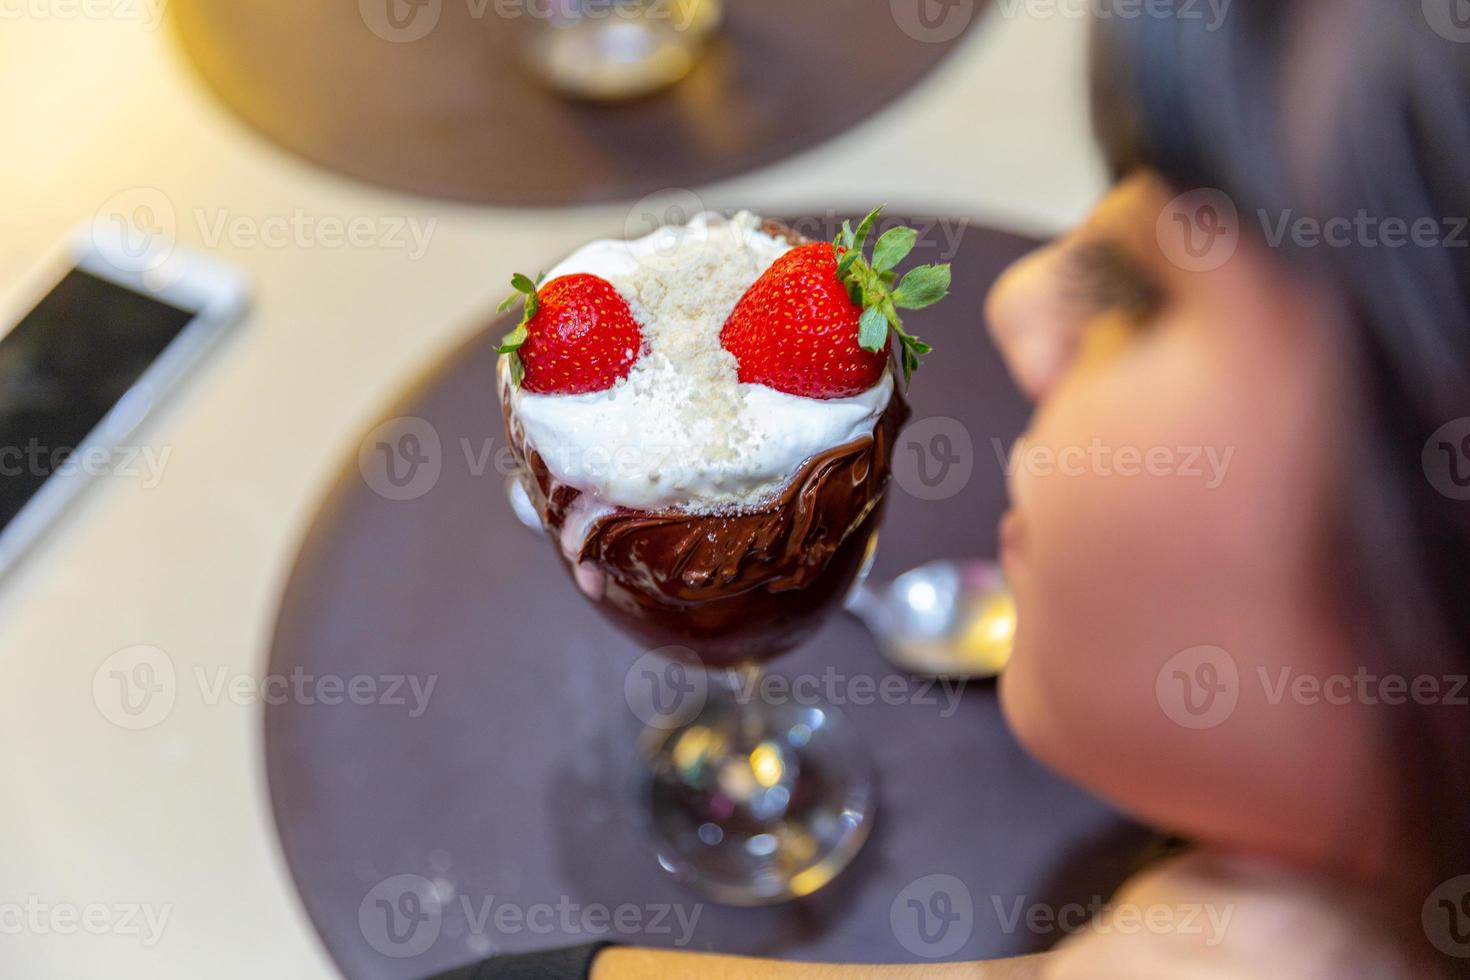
column 62, row 369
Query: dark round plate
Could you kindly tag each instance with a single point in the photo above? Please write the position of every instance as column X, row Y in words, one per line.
column 430, row 96
column 426, row 826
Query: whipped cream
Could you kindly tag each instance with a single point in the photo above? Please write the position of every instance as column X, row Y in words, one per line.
column 681, row 431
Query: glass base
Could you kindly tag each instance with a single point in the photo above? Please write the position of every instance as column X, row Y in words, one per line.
column 755, row 803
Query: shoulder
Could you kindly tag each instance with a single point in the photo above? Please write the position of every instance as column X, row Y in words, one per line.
column 1221, row 918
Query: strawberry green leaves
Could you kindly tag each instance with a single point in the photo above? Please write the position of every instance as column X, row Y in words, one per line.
column 511, row 343
column 525, row 290
column 870, row 284
column 873, row 329
column 924, row 286
column 893, row 248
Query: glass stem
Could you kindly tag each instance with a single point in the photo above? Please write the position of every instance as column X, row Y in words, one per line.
column 745, row 684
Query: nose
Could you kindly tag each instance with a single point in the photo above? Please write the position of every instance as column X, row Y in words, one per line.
column 1030, row 322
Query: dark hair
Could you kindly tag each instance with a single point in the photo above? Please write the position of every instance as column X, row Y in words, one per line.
column 1201, row 103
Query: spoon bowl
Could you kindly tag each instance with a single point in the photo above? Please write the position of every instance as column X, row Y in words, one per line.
column 945, row 618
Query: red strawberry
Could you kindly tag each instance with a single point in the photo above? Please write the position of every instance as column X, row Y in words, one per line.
column 796, row 330
column 577, row 335
column 816, row 323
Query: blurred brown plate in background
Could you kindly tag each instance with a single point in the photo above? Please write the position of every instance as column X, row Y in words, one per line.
column 432, row 96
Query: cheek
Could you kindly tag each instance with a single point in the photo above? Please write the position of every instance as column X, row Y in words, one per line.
column 1109, row 525
column 1159, row 502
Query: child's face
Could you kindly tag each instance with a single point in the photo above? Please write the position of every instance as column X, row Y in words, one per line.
column 1175, row 491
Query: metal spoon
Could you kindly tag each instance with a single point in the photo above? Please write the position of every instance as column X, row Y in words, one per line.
column 946, row 618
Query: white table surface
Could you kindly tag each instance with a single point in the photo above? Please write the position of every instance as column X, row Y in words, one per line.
column 175, row 819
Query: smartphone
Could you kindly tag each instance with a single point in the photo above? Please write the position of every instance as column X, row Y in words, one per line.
column 89, row 356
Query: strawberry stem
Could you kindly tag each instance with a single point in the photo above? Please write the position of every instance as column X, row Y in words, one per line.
column 511, row 343
column 870, row 284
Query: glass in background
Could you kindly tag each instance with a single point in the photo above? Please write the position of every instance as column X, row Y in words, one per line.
column 610, row 50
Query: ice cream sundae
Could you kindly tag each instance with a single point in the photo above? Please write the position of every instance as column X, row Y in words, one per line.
column 703, row 421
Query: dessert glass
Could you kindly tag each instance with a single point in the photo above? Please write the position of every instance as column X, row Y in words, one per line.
column 754, row 799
